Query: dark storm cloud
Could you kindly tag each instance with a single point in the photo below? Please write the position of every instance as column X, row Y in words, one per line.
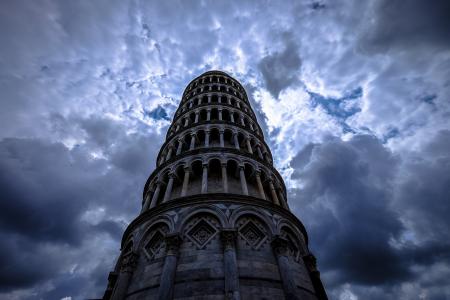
column 409, row 24
column 47, row 189
column 352, row 202
column 355, row 179
column 280, row 69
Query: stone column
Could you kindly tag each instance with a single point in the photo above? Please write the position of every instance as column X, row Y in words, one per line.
column 200, row 99
column 177, row 128
column 282, row 199
column 219, row 98
column 236, row 140
column 190, row 104
column 167, row 279
column 242, row 120
column 251, row 126
column 197, row 115
column 238, row 105
column 229, row 99
column 314, row 274
column 168, row 192
column 273, row 193
column 230, row 268
column 224, row 178
column 207, row 138
column 169, row 153
column 209, row 98
column 156, row 194
column 260, row 186
column 232, row 117
column 208, row 115
column 258, row 149
column 192, row 145
column 180, row 147
column 280, row 248
column 128, row 264
column 205, row 179
column 243, row 180
column 185, row 182
column 249, row 147
column 147, row 201
column 222, row 142
column 220, row 114
column 186, row 122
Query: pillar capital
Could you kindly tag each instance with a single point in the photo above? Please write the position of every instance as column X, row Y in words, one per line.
column 228, row 237
column 129, row 262
column 280, row 245
column 310, row 262
column 173, row 242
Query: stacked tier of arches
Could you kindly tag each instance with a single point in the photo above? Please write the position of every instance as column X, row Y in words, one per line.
column 297, row 237
column 213, row 113
column 248, row 233
column 211, row 88
column 212, row 79
column 214, row 173
column 214, row 135
column 214, row 98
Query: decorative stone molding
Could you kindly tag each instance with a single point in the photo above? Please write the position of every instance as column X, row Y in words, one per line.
column 228, row 237
column 280, row 246
column 173, row 242
column 129, row 262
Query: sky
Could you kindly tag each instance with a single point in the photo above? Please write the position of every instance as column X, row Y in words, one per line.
column 352, row 96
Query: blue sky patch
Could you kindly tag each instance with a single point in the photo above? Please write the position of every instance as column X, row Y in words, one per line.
column 159, row 113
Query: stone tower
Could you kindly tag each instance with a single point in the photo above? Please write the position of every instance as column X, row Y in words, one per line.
column 215, row 222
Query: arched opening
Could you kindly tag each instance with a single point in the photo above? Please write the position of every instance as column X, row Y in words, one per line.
column 201, row 135
column 214, row 114
column 178, row 182
column 214, row 99
column 242, row 143
column 186, row 141
column 215, row 88
column 164, row 179
column 205, row 99
column 192, row 118
column 203, row 115
column 228, row 138
column 234, row 183
column 214, row 138
column 252, row 185
column 215, row 176
column 195, row 183
column 266, row 186
column 225, row 115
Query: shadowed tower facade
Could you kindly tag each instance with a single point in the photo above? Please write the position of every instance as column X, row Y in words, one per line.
column 215, row 221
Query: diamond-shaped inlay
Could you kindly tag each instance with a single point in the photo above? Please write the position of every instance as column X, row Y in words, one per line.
column 201, row 233
column 155, row 244
column 252, row 234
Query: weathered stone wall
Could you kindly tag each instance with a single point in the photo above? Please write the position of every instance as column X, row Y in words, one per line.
column 200, row 259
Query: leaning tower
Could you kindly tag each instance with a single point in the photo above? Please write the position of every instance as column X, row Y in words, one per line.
column 215, row 222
